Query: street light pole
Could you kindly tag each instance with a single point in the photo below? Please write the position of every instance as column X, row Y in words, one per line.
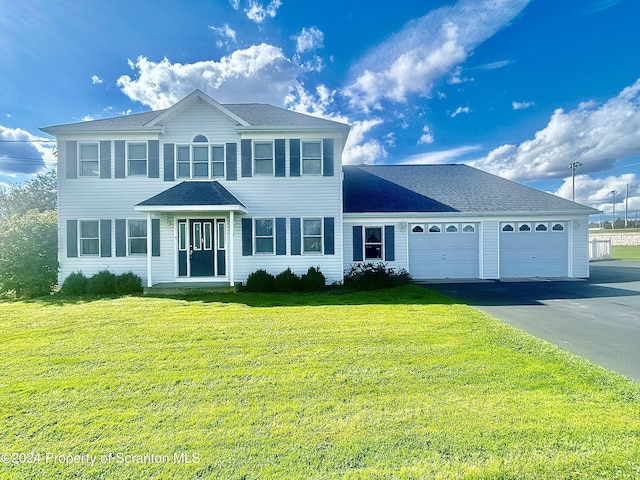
column 573, row 166
column 613, row 218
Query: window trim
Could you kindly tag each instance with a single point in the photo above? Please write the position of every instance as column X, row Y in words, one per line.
column 81, row 160
column 81, row 238
column 365, row 243
column 256, row 236
column 128, row 159
column 211, row 161
column 319, row 159
column 254, row 159
column 320, row 236
column 129, row 237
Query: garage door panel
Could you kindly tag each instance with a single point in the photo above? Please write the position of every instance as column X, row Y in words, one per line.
column 534, row 254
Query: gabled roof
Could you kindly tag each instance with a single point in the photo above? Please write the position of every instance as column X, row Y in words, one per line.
column 444, row 189
column 246, row 116
column 193, row 196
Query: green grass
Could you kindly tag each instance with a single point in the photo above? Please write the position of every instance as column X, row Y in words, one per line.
column 625, row 253
column 393, row 384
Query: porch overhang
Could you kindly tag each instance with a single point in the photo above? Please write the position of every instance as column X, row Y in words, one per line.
column 193, row 196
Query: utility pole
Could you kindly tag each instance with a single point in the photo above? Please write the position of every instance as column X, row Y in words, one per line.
column 573, row 166
column 626, row 209
column 613, row 216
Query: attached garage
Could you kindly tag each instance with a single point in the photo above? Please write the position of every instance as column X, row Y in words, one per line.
column 444, row 250
column 534, row 249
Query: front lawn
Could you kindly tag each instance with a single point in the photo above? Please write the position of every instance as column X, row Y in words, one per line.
column 620, row 252
column 392, row 384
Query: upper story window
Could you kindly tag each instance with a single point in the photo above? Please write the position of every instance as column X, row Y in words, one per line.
column 137, row 158
column 263, row 158
column 200, row 159
column 312, row 158
column 89, row 159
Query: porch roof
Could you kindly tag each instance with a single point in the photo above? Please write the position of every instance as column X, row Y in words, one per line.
column 193, row 196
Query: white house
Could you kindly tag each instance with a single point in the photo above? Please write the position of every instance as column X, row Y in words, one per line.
column 205, row 192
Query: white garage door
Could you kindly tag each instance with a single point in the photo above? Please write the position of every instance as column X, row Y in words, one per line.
column 443, row 250
column 534, row 249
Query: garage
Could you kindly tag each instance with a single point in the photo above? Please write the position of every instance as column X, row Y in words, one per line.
column 444, row 250
column 534, row 249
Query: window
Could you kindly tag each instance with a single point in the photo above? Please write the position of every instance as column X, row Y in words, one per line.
column 418, row 229
column 312, row 235
column 372, row 243
column 264, row 236
column 217, row 161
column 524, row 227
column 507, row 227
column 558, row 227
column 263, row 158
column 434, row 229
column 541, row 227
column 89, row 159
column 183, row 161
column 137, row 158
column 451, row 229
column 312, row 158
column 137, row 236
column 468, row 228
column 200, row 161
column 90, row 237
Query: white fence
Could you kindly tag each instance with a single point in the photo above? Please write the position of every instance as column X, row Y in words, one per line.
column 599, row 248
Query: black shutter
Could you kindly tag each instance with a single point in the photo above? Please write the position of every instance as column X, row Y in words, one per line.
column 105, row 159
column 232, row 161
column 153, row 154
column 281, row 236
column 294, row 157
column 389, row 243
column 247, row 237
column 280, row 146
column 329, row 239
column 72, row 238
column 327, row 157
column 296, row 237
column 72, row 160
column 121, row 238
column 169, row 156
column 245, row 157
column 120, row 167
column 155, row 237
column 357, row 243
column 105, row 238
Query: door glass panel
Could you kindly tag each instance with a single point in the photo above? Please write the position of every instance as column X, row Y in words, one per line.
column 182, row 236
column 207, row 235
column 221, row 239
column 197, row 236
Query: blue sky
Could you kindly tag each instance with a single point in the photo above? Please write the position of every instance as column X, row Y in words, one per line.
column 519, row 88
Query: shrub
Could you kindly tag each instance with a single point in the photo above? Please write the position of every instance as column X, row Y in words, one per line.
column 102, row 283
column 370, row 276
column 313, row 280
column 128, row 283
column 287, row 281
column 261, row 281
column 74, row 284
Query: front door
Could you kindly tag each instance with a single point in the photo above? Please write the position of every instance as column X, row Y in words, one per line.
column 201, row 248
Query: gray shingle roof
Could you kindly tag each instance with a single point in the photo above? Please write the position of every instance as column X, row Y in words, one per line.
column 443, row 188
column 197, row 193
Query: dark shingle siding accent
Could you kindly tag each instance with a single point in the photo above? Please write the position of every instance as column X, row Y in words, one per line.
column 193, row 193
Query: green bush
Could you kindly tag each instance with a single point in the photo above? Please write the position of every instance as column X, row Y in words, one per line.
column 74, row 284
column 128, row 283
column 29, row 253
column 102, row 283
column 287, row 281
column 261, row 281
column 313, row 280
column 372, row 276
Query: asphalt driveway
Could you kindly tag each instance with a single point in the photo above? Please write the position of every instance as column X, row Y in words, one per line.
column 598, row 318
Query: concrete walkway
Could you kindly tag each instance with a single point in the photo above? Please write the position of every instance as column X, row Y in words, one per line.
column 598, row 318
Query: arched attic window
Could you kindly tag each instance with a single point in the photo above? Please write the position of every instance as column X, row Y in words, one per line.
column 200, row 139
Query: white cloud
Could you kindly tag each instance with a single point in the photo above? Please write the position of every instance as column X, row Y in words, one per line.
column 261, row 69
column 598, row 135
column 426, row 50
column 460, row 110
column 309, row 39
column 439, row 157
column 596, row 192
column 96, row 80
column 24, row 153
column 257, row 12
column 494, row 65
column 427, row 136
column 226, row 32
column 235, row 4
column 522, row 105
